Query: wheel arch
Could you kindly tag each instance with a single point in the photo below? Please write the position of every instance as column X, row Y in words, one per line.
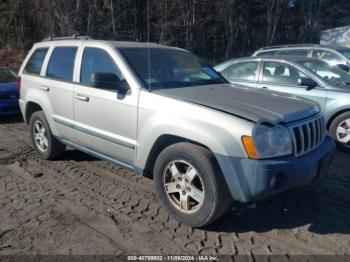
column 163, row 142
column 335, row 115
column 30, row 109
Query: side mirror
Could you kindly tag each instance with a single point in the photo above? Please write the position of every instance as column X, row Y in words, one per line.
column 308, row 82
column 109, row 81
column 346, row 68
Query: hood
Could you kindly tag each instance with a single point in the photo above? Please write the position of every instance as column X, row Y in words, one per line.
column 253, row 104
column 8, row 88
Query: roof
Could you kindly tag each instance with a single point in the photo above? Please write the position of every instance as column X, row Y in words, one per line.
column 118, row 44
column 301, row 46
column 271, row 58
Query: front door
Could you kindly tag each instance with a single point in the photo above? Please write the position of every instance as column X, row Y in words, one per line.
column 282, row 77
column 106, row 121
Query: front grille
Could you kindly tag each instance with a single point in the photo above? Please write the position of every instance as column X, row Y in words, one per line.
column 307, row 135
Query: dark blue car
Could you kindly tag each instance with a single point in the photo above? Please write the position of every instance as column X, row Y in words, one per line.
column 8, row 92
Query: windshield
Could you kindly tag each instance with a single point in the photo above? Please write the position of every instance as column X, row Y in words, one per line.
column 345, row 52
column 7, row 76
column 161, row 68
column 332, row 75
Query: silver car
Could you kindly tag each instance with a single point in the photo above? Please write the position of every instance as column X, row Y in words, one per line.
column 334, row 55
column 305, row 77
column 163, row 112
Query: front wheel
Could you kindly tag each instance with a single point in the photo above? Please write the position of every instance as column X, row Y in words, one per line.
column 190, row 185
column 340, row 131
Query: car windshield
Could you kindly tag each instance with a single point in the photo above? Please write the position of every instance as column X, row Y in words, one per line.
column 7, row 76
column 332, row 75
column 163, row 68
column 345, row 52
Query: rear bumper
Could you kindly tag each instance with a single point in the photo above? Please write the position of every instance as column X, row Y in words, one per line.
column 262, row 178
column 8, row 107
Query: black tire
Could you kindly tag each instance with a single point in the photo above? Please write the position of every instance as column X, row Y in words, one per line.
column 217, row 198
column 333, row 131
column 54, row 148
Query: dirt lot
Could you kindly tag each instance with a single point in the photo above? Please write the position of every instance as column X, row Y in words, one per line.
column 82, row 205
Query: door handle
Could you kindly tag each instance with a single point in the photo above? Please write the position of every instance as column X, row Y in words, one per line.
column 45, row 88
column 82, row 98
column 265, row 87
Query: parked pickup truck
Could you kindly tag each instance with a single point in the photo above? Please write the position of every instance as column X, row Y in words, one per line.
column 162, row 112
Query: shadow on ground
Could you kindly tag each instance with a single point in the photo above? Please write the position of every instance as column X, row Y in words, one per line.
column 324, row 206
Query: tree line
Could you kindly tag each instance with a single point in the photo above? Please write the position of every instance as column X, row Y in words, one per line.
column 215, row 30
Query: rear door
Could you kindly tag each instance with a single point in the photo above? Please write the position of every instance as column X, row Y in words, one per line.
column 242, row 73
column 283, row 77
column 106, row 120
column 58, row 86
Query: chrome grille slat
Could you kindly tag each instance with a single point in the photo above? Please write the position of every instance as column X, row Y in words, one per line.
column 307, row 135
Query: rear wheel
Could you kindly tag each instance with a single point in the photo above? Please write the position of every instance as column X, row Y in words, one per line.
column 190, row 184
column 43, row 140
column 340, row 131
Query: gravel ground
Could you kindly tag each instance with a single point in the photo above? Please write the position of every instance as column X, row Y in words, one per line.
column 82, row 205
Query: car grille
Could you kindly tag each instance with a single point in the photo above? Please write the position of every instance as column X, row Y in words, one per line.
column 307, row 135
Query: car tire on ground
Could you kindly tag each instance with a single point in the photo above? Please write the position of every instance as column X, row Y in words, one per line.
column 340, row 131
column 190, row 185
column 43, row 140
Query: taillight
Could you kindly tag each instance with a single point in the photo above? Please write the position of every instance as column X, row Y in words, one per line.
column 19, row 85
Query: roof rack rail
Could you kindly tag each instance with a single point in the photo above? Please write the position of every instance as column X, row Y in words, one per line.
column 283, row 46
column 73, row 37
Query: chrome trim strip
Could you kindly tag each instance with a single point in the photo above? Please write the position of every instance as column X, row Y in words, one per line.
column 97, row 154
column 105, row 137
column 85, row 130
column 63, row 121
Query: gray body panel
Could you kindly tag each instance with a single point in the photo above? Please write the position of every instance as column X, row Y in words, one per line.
column 252, row 104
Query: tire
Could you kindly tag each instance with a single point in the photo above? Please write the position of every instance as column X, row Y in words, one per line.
column 52, row 148
column 340, row 129
column 205, row 182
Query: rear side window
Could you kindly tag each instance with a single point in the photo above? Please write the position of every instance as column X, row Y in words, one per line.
column 296, row 52
column 36, row 61
column 61, row 63
column 247, row 71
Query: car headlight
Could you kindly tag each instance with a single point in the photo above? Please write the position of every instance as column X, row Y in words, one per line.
column 268, row 142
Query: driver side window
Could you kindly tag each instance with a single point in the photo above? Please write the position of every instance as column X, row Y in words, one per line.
column 97, row 61
column 280, row 73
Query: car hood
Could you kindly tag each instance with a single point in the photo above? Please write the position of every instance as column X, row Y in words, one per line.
column 253, row 104
column 8, row 87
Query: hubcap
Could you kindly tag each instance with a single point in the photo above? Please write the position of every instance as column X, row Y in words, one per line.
column 343, row 132
column 184, row 186
column 40, row 136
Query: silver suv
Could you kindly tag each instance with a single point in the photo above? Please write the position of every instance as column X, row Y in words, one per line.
column 333, row 55
column 163, row 112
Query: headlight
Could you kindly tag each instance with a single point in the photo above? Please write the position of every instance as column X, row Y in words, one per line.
column 268, row 142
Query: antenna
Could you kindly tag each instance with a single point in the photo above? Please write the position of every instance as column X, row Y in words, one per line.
column 148, row 47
